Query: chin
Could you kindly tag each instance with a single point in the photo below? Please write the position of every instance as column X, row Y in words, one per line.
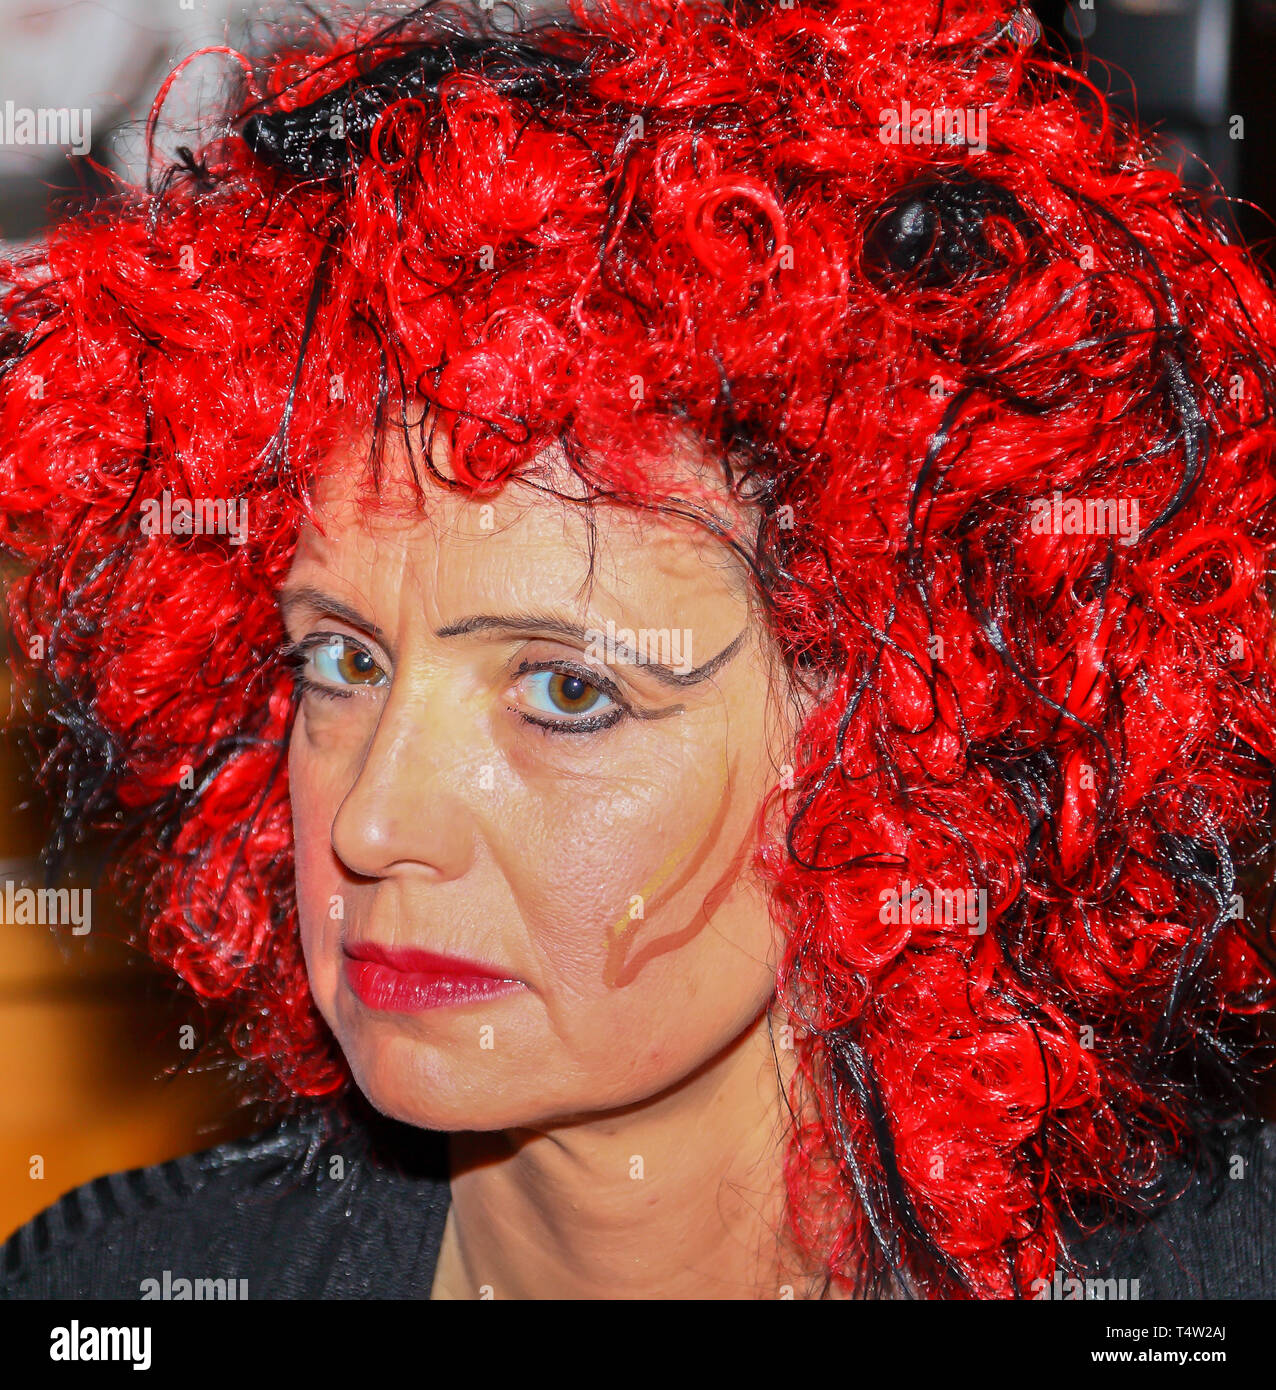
column 420, row 1084
column 430, row 1085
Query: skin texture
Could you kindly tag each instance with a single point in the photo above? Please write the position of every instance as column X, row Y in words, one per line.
column 617, row 1128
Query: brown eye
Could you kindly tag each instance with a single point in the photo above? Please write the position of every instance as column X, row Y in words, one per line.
column 571, row 694
column 336, row 661
column 565, row 694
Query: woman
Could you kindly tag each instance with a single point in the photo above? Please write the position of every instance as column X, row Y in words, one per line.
column 679, row 600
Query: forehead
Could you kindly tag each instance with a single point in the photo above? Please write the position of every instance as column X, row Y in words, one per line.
column 539, row 532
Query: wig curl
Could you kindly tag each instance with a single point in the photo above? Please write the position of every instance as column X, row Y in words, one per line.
column 936, row 367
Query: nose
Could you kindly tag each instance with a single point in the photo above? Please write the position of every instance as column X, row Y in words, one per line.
column 407, row 811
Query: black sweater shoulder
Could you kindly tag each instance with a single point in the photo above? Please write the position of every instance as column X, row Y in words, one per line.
column 316, row 1210
column 310, row 1209
column 1213, row 1238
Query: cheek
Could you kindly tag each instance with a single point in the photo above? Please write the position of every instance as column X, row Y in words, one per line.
column 647, row 939
column 315, row 799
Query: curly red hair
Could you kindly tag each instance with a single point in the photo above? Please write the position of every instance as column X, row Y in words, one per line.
column 935, row 364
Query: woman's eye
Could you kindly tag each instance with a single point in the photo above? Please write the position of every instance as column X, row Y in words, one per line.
column 567, row 698
column 338, row 662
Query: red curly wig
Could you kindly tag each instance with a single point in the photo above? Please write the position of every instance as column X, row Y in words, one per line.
column 932, row 362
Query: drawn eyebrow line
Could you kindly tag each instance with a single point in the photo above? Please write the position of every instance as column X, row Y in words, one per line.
column 516, row 624
column 531, row 625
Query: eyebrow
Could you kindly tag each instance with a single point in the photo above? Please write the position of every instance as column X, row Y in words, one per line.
column 514, row 624
column 311, row 597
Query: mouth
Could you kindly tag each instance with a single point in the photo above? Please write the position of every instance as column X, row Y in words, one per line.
column 406, row 980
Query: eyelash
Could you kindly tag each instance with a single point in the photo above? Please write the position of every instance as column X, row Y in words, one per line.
column 296, row 655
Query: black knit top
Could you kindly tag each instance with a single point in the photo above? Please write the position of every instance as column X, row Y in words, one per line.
column 313, row 1209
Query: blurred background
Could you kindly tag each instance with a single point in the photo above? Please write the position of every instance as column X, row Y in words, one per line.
column 95, row 1071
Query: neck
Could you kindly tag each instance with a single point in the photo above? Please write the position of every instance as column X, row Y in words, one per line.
column 679, row 1197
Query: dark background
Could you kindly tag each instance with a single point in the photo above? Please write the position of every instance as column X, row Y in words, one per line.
column 1195, row 66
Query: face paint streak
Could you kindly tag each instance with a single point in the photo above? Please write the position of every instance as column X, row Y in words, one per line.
column 626, row 925
column 713, row 900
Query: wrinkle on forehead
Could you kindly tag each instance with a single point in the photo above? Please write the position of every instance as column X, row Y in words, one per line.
column 685, row 478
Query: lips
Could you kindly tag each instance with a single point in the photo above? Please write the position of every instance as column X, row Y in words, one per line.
column 406, row 980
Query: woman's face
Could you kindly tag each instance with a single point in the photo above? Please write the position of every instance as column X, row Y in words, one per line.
column 486, row 766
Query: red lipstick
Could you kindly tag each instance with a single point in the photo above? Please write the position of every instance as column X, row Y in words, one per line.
column 405, row 980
